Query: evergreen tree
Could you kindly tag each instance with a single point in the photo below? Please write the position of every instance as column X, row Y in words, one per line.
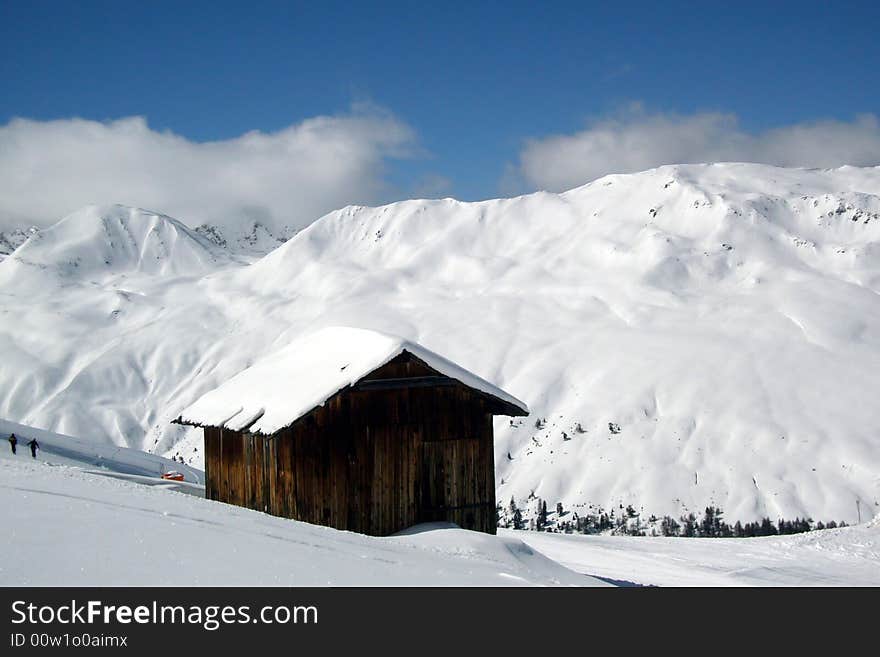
column 668, row 526
column 767, row 528
column 542, row 516
column 689, row 525
column 707, row 525
column 516, row 515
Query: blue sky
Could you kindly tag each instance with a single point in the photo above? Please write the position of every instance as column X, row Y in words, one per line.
column 473, row 81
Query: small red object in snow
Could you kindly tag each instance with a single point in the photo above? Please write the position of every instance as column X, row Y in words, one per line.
column 173, row 476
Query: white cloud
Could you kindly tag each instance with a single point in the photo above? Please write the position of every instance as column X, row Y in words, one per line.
column 635, row 141
column 290, row 177
column 431, row 185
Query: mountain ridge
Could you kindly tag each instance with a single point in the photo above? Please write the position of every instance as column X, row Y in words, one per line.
column 685, row 336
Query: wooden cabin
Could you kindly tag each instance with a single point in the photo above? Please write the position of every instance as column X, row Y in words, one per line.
column 356, row 430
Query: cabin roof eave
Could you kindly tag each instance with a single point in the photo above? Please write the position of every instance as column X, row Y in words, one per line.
column 321, row 365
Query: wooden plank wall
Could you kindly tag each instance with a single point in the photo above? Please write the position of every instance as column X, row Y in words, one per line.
column 371, row 461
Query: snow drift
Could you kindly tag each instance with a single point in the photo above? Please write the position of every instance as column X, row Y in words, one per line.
column 684, row 336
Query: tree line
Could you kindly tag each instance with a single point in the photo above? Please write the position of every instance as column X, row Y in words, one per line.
column 628, row 521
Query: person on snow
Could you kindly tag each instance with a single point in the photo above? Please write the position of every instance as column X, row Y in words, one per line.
column 13, row 441
column 34, row 445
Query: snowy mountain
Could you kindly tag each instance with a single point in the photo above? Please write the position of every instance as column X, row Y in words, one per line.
column 689, row 335
column 105, row 241
column 252, row 238
column 10, row 240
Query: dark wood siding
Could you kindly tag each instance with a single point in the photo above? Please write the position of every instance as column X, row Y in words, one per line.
column 372, row 460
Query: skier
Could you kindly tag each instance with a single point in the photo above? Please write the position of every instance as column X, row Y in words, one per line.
column 34, row 445
column 13, row 441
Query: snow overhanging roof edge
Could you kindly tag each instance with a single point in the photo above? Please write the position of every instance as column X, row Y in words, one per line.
column 282, row 387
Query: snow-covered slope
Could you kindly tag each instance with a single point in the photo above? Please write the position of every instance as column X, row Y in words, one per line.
column 684, row 336
column 848, row 556
column 100, row 457
column 59, row 517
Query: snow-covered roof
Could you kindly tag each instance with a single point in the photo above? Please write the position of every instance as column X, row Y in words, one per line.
column 282, row 387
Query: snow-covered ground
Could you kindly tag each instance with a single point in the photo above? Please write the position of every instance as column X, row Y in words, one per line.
column 88, row 513
column 70, row 527
column 689, row 335
column 77, row 527
column 849, row 556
